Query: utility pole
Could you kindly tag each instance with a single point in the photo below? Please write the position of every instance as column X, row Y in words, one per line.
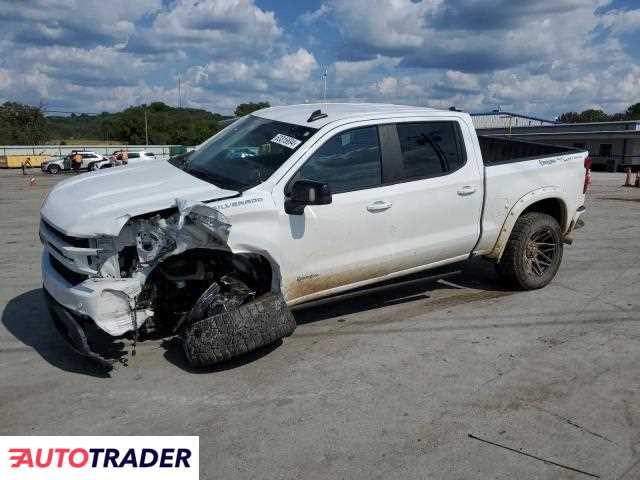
column 179, row 94
column 146, row 127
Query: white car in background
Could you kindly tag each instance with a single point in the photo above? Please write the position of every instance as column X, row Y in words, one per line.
column 90, row 161
column 135, row 157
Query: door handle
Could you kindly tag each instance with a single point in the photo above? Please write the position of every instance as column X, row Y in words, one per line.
column 378, row 206
column 466, row 190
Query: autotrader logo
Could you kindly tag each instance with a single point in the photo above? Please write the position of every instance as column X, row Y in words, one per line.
column 100, row 457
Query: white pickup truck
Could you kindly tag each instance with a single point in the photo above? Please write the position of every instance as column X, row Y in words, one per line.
column 293, row 204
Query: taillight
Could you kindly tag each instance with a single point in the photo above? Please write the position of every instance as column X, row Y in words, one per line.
column 587, row 174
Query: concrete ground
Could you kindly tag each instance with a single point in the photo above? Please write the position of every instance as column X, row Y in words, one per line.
column 387, row 387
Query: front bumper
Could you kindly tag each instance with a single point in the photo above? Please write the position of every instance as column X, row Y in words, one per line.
column 109, row 303
column 77, row 331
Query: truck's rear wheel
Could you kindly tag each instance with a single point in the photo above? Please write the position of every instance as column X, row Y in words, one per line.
column 533, row 253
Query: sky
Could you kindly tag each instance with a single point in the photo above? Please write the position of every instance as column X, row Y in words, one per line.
column 539, row 57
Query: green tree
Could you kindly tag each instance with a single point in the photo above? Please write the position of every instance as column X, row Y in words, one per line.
column 590, row 115
column 246, row 108
column 569, row 117
column 166, row 124
column 22, row 124
column 633, row 112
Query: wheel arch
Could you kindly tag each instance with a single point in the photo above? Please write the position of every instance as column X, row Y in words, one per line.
column 253, row 266
column 549, row 200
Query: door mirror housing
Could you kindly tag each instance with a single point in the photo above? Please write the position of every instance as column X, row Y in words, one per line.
column 306, row 192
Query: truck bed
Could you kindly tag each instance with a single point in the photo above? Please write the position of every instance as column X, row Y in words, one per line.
column 514, row 169
column 498, row 150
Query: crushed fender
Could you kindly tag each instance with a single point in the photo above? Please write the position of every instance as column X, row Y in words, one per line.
column 142, row 245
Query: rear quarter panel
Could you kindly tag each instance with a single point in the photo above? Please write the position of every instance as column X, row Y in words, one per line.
column 512, row 187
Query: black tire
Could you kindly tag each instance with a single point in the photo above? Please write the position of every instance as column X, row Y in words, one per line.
column 92, row 167
column 230, row 334
column 53, row 169
column 533, row 253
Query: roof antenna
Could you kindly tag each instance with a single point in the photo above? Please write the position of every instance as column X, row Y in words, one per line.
column 324, row 88
column 316, row 115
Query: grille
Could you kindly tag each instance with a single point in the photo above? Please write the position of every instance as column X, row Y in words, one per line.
column 74, row 278
column 75, row 241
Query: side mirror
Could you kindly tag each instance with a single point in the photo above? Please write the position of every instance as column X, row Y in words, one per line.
column 306, row 192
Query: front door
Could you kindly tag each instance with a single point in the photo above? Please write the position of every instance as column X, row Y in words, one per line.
column 345, row 242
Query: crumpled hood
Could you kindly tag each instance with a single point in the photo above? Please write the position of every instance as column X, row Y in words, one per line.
column 100, row 203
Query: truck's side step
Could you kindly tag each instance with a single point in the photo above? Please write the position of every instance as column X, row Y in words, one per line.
column 376, row 288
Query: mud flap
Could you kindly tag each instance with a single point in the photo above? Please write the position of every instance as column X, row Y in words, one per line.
column 241, row 330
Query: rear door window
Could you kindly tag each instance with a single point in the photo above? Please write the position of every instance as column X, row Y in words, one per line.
column 430, row 149
column 348, row 161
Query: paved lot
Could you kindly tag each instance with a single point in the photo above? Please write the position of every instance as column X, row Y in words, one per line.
column 388, row 387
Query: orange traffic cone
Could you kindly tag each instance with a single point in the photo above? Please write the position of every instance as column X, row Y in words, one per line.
column 627, row 181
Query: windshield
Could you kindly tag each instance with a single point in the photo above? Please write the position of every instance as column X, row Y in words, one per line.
column 246, row 153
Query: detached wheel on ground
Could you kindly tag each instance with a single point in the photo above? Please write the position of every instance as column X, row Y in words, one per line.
column 533, row 253
column 238, row 331
column 53, row 169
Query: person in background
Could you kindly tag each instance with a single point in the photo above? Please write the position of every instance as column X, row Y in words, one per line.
column 76, row 161
column 125, row 156
column 26, row 164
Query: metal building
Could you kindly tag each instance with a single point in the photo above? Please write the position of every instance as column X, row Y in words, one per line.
column 498, row 119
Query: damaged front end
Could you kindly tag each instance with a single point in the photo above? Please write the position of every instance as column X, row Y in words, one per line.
column 163, row 272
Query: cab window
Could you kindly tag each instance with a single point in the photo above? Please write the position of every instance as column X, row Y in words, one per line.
column 348, row 161
column 430, row 149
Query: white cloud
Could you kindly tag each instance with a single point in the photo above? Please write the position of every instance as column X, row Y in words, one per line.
column 622, row 21
column 74, row 22
column 461, row 80
column 213, row 27
column 285, row 74
column 295, row 67
column 309, row 18
column 346, row 70
column 385, row 24
column 387, row 86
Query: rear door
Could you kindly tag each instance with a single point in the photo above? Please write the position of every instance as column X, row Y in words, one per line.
column 435, row 192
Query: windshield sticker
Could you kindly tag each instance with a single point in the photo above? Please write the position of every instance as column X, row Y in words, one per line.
column 286, row 141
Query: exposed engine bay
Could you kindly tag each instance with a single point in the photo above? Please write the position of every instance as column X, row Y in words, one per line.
column 170, row 268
